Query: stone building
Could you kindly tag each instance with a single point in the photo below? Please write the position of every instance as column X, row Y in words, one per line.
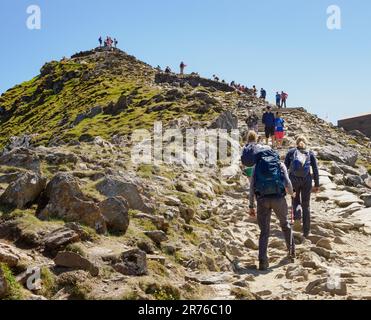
column 361, row 123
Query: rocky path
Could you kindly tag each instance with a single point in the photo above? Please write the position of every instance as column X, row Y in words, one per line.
column 335, row 262
column 339, row 250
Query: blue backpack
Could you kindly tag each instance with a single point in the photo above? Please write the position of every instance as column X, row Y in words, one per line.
column 269, row 180
column 300, row 164
column 250, row 152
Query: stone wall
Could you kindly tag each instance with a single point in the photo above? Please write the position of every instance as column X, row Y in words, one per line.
column 361, row 123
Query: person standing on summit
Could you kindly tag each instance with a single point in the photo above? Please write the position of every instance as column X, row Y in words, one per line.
column 263, row 94
column 284, row 97
column 100, row 41
column 269, row 123
column 182, row 67
column 278, row 99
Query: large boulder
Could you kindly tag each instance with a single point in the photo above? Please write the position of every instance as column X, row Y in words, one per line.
column 23, row 191
column 12, row 256
column 338, row 154
column 8, row 255
column 75, row 261
column 132, row 192
column 116, row 214
column 368, row 182
column 63, row 199
column 132, row 263
column 23, row 141
column 325, row 285
column 366, row 197
column 157, row 236
column 21, row 158
column 353, row 180
column 58, row 239
column 227, row 121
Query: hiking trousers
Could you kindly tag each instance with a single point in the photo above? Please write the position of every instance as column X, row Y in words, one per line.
column 303, row 190
column 264, row 213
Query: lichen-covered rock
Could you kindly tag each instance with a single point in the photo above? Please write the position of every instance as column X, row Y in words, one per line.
column 64, row 199
column 23, row 191
column 116, row 214
column 117, row 187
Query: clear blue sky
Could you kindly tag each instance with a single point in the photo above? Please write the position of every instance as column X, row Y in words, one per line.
column 273, row 44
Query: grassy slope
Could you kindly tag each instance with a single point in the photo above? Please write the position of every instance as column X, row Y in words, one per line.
column 35, row 107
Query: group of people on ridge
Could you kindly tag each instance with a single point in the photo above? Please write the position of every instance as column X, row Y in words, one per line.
column 182, row 66
column 274, row 126
column 281, row 99
column 271, row 180
column 108, row 42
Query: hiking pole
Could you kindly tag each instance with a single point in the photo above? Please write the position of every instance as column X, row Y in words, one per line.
column 292, row 240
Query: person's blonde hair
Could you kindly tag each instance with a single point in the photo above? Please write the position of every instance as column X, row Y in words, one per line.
column 252, row 137
column 301, row 142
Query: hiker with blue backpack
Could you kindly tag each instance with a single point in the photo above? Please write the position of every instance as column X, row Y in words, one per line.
column 249, row 152
column 269, row 122
column 300, row 160
column 269, row 185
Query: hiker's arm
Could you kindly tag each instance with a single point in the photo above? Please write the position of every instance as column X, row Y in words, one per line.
column 252, row 191
column 288, row 160
column 314, row 164
column 288, row 184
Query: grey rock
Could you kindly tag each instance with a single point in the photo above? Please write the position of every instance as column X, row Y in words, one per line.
column 226, row 120
column 296, row 271
column 337, row 154
column 133, row 263
column 75, row 261
column 23, row 191
column 58, row 239
column 322, row 285
column 367, row 199
column 116, row 214
column 156, row 236
column 21, row 158
column 187, row 213
column 117, row 187
column 64, row 199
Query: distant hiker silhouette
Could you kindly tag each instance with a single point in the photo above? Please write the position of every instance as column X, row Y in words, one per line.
column 279, row 132
column 269, row 123
column 284, row 97
column 100, row 41
column 263, row 94
column 182, row 67
column 278, row 99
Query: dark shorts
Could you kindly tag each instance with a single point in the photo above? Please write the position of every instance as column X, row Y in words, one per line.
column 269, row 132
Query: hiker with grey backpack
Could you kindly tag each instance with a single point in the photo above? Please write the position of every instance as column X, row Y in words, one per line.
column 300, row 161
column 269, row 185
